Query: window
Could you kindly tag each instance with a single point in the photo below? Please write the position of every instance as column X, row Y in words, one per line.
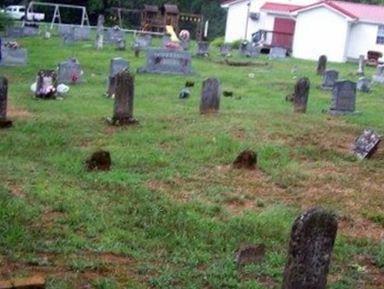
column 22, row 10
column 380, row 35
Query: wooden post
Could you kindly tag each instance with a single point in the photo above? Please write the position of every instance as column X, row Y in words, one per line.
column 4, row 122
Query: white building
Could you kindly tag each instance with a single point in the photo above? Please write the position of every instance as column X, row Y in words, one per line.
column 340, row 30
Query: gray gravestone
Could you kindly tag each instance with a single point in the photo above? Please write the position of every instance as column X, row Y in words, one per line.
column 31, row 30
column 142, row 42
column 123, row 109
column 202, row 48
column 210, row 96
column 361, row 69
column 117, row 65
column 379, row 76
column 70, row 72
column 225, row 49
column 46, row 84
column 165, row 40
column 277, row 53
column 69, row 36
column 248, row 49
column 167, row 62
column 321, row 65
column 13, row 56
column 4, row 122
column 100, row 32
column 310, row 250
column 64, row 29
column 300, row 97
column 114, row 34
column 121, row 45
column 81, row 33
column 364, row 84
column 366, row 144
column 184, row 44
column 343, row 97
column 15, row 32
column 329, row 78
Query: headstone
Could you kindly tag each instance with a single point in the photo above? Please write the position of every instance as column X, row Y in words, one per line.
column 202, row 48
column 277, row 53
column 364, row 84
column 361, row 69
column 321, row 65
column 225, row 49
column 15, row 32
column 31, row 30
column 184, row 43
column 69, row 36
column 13, row 56
column 165, row 40
column 167, row 62
column 366, row 144
column 121, row 45
column 70, row 72
column 81, row 33
column 64, row 29
column 329, row 78
column 114, row 34
column 379, row 76
column 300, row 97
column 210, row 96
column 142, row 42
column 46, row 84
column 100, row 32
column 343, row 97
column 117, row 65
column 123, row 109
column 248, row 49
column 4, row 122
column 310, row 250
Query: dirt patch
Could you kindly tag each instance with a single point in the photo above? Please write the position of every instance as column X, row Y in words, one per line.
column 246, row 160
column 17, row 112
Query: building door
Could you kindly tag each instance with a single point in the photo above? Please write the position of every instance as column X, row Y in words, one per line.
column 283, row 31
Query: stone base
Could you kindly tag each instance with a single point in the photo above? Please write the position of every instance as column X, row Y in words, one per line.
column 342, row 112
column 5, row 123
column 325, row 87
column 122, row 122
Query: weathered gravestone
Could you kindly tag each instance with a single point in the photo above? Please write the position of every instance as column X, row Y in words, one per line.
column 167, row 62
column 14, row 32
column 123, row 109
column 329, row 78
column 13, row 56
column 81, row 33
column 64, row 29
column 248, row 49
column 364, row 84
column 210, row 96
column 117, row 65
column 379, row 76
column 321, row 65
column 225, row 49
column 277, row 53
column 300, row 97
column 69, row 37
column 114, row 34
column 361, row 69
column 202, row 48
column 343, row 97
column 70, row 72
column 46, row 84
column 367, row 144
column 121, row 44
column 31, row 30
column 142, row 42
column 100, row 32
column 310, row 249
column 4, row 122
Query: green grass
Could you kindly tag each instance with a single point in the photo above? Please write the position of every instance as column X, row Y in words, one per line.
column 170, row 210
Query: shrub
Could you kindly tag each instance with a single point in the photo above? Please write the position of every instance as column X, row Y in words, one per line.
column 217, row 42
column 5, row 21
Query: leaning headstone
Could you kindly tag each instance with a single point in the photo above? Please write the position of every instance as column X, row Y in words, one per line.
column 364, row 84
column 123, row 109
column 70, row 72
column 310, row 250
column 367, row 144
column 361, row 69
column 329, row 78
column 210, row 96
column 4, row 122
column 343, row 97
column 202, row 48
column 167, row 62
column 46, row 84
column 13, row 56
column 300, row 97
column 379, row 76
column 225, row 50
column 321, row 65
column 117, row 65
column 277, row 53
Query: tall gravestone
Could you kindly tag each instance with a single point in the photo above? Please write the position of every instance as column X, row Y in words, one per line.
column 300, row 97
column 123, row 109
column 117, row 65
column 310, row 250
column 100, row 32
column 361, row 69
column 4, row 122
column 329, row 78
column 46, row 84
column 321, row 65
column 343, row 97
column 210, row 96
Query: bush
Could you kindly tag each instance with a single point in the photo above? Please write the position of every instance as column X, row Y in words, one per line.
column 217, row 42
column 5, row 21
column 236, row 44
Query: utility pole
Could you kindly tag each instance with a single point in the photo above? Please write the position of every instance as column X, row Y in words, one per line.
column 247, row 20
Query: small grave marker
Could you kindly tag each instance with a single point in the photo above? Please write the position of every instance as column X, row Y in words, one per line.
column 210, row 96
column 114, row 34
column 13, row 56
column 100, row 32
column 379, row 76
column 329, row 78
column 46, row 84
column 277, row 53
column 364, row 84
column 300, row 96
column 4, row 122
column 343, row 97
column 321, row 65
column 366, row 144
column 202, row 48
column 225, row 49
column 248, row 49
column 70, row 72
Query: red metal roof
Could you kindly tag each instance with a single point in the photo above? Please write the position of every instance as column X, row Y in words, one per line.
column 279, row 7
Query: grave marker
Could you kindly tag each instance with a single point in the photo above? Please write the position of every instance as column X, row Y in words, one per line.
column 321, row 65
column 117, row 65
column 379, row 76
column 4, row 122
column 310, row 249
column 364, row 84
column 248, row 49
column 70, row 72
column 114, row 34
column 100, row 32
column 225, row 49
column 15, row 32
column 210, row 96
column 46, row 84
column 329, row 78
column 300, row 97
column 142, row 42
column 361, row 69
column 343, row 97
column 277, row 53
column 366, row 144
column 11, row 56
column 202, row 48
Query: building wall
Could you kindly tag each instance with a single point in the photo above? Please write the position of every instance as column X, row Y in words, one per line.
column 236, row 21
column 362, row 39
column 321, row 31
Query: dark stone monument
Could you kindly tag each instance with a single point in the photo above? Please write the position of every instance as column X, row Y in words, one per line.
column 99, row 161
column 202, row 48
column 167, row 62
column 249, row 255
column 246, row 160
column 379, row 76
column 70, row 72
column 277, row 53
column 321, row 65
column 300, row 96
column 4, row 122
column 367, row 144
column 361, row 69
column 364, row 84
column 123, row 109
column 343, row 97
column 117, row 65
column 11, row 56
column 210, row 96
column 225, row 49
column 329, row 79
column 310, row 249
column 46, row 84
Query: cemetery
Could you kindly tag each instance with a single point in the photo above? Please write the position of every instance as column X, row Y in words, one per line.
column 156, row 164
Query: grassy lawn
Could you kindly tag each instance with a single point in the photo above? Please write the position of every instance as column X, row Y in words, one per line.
column 172, row 212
